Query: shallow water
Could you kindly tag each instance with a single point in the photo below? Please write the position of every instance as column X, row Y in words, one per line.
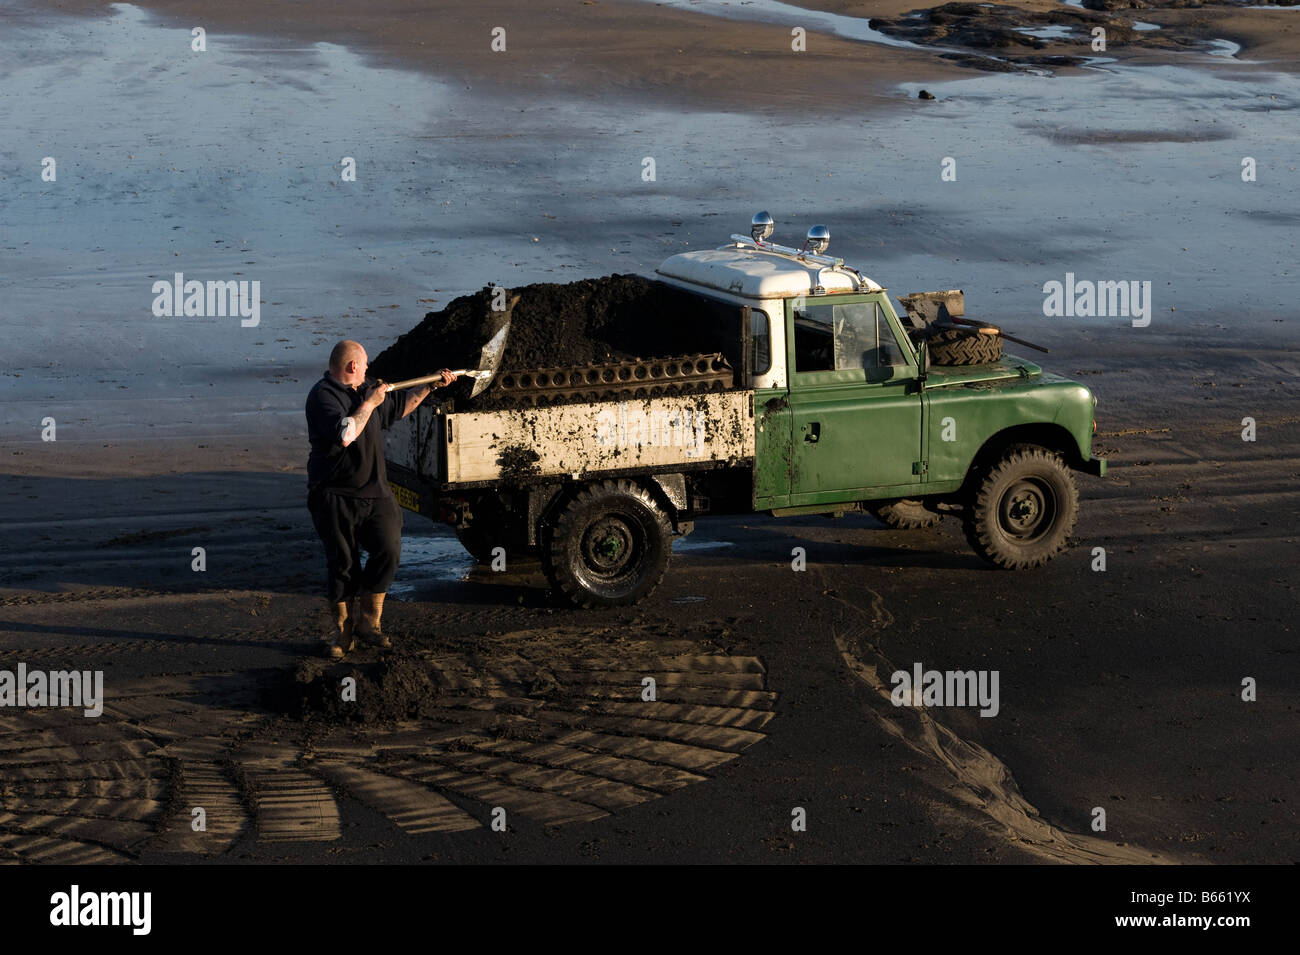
column 438, row 559
column 696, row 544
column 225, row 166
column 1224, row 48
column 429, row 560
column 1054, row 32
column 773, row 11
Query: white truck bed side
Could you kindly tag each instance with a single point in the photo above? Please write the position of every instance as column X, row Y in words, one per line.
column 576, row 440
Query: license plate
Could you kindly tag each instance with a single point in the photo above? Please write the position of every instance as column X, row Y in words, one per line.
column 405, row 497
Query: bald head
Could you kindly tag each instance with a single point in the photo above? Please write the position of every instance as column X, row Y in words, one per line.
column 344, row 352
column 348, row 362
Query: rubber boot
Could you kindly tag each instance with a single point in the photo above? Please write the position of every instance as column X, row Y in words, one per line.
column 339, row 632
column 369, row 627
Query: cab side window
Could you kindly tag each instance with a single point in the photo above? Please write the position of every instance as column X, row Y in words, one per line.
column 852, row 337
column 888, row 354
column 814, row 343
column 760, row 334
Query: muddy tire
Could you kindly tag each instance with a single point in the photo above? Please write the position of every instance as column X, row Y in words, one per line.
column 952, row 346
column 909, row 515
column 608, row 547
column 1024, row 509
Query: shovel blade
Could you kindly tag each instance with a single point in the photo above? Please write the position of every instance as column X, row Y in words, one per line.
column 490, row 358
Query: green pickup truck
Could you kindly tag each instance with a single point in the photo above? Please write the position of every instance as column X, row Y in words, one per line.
column 818, row 400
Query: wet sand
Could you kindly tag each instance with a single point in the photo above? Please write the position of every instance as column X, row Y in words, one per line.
column 1199, row 528
column 673, row 52
column 594, row 52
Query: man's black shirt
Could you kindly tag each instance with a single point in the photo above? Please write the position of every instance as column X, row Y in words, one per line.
column 357, row 470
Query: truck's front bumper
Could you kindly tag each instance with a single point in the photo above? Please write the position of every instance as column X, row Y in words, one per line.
column 1095, row 467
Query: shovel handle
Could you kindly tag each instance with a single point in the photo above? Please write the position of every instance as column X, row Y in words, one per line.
column 984, row 328
column 429, row 379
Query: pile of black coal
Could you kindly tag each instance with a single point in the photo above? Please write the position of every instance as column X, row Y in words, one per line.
column 615, row 318
column 387, row 688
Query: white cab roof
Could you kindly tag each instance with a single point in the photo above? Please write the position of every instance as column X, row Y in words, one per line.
column 752, row 273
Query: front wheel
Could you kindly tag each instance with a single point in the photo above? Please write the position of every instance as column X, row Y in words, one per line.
column 609, row 546
column 1024, row 509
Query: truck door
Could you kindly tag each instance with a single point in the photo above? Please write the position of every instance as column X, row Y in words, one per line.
column 773, row 444
column 855, row 401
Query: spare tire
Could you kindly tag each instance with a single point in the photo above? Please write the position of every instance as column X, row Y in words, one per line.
column 905, row 515
column 956, row 346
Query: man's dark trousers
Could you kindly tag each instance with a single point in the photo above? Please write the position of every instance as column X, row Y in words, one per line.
column 348, row 525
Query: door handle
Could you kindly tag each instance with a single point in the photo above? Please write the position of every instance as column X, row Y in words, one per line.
column 812, row 432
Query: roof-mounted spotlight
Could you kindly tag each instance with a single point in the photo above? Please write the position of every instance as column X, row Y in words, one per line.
column 761, row 226
column 819, row 239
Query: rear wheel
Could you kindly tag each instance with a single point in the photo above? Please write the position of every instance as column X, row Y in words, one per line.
column 609, row 546
column 908, row 515
column 489, row 527
column 1024, row 509
column 478, row 542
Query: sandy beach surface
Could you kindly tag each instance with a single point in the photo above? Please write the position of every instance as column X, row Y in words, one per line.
column 1120, row 689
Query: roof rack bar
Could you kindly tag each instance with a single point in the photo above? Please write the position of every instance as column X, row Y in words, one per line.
column 746, row 241
column 826, row 261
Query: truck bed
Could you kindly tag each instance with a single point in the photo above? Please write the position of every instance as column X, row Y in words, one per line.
column 573, row 441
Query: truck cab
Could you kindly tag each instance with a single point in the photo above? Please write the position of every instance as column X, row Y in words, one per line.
column 850, row 412
column 837, row 382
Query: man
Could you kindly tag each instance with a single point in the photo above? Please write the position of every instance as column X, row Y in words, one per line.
column 348, row 495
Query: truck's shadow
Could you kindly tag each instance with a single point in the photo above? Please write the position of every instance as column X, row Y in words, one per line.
column 234, row 530
column 725, row 549
column 853, row 541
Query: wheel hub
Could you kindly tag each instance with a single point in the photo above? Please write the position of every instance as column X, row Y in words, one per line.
column 1026, row 509
column 607, row 545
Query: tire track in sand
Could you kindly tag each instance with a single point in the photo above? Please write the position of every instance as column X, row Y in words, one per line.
column 548, row 724
column 965, row 772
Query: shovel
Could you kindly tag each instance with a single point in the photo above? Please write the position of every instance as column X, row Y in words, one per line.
column 489, row 359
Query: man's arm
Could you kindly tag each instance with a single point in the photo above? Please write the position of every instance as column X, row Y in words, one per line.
column 414, row 398
column 354, row 425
